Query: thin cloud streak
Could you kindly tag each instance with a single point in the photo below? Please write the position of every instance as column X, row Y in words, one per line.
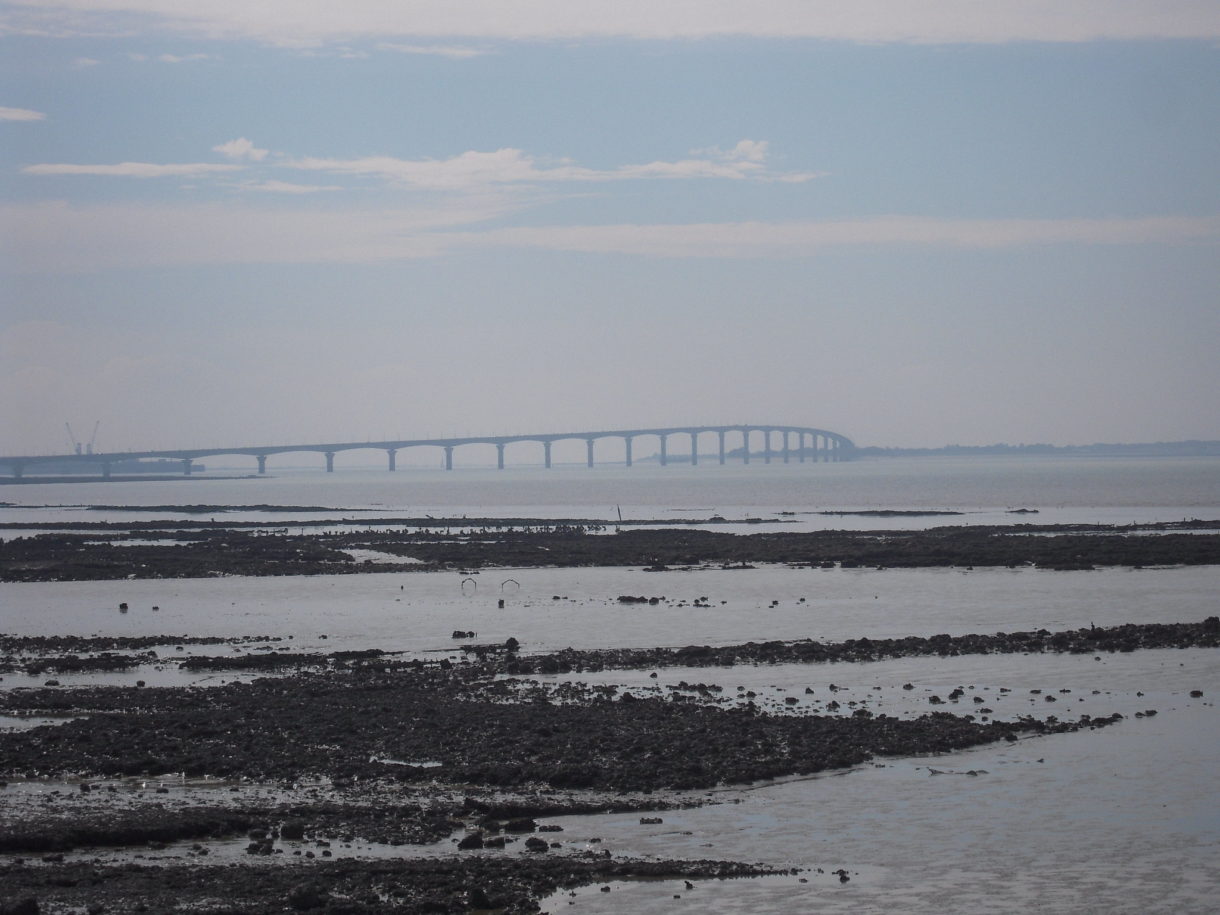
column 55, row 237
column 305, row 23
column 796, row 239
column 21, row 114
column 514, row 166
column 63, row 237
column 132, row 169
column 287, row 187
column 453, row 52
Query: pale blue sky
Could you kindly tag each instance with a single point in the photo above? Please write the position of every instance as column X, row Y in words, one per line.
column 915, row 223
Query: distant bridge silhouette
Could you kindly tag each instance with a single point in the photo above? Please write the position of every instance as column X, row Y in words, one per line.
column 823, row 445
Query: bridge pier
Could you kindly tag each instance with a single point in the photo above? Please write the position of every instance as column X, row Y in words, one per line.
column 106, row 470
column 589, row 450
column 186, row 467
column 448, row 457
column 800, row 447
column 767, row 446
column 500, row 456
column 745, row 446
column 392, row 456
column 785, row 446
column 330, row 462
column 262, row 463
column 18, row 470
column 546, row 454
column 664, row 449
column 720, row 435
column 694, row 448
column 627, row 442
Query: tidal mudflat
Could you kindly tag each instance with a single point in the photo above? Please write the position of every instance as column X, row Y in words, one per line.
column 546, row 714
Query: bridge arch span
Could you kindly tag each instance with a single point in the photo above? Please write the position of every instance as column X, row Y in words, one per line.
column 786, row 442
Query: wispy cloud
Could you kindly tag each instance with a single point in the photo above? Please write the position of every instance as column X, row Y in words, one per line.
column 801, row 238
column 287, row 187
column 84, row 63
column 315, row 22
column 63, row 237
column 20, row 114
column 454, row 52
column 132, row 169
column 182, row 58
column 241, row 149
column 474, row 169
column 58, row 236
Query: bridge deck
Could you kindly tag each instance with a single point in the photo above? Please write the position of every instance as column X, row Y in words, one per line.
column 835, row 447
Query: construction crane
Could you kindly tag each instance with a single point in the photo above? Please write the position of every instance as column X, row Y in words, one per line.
column 77, row 447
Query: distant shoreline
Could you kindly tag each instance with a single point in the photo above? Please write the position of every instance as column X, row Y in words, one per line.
column 1192, row 448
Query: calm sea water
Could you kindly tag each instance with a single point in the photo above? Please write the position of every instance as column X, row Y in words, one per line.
column 1126, row 819
column 1088, row 490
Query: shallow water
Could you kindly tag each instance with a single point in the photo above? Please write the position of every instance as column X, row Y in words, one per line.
column 1062, row 490
column 548, row 609
column 1124, row 818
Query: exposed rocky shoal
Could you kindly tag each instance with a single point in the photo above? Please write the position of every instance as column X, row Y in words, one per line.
column 400, row 752
column 35, row 655
column 453, row 726
column 359, row 887
column 205, row 549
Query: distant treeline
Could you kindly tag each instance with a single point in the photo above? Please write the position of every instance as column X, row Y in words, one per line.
column 1145, row 449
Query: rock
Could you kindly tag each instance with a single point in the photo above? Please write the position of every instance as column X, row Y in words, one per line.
column 535, row 844
column 305, row 897
column 292, row 829
column 1197, row 693
column 479, row 900
column 474, row 840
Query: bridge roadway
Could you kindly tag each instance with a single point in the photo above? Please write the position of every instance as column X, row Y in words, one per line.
column 823, row 445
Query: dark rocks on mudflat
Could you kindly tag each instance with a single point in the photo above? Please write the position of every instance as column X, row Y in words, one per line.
column 232, row 549
column 358, row 887
column 342, row 725
column 1123, row 638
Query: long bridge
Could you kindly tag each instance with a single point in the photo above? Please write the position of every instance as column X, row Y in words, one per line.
column 783, row 442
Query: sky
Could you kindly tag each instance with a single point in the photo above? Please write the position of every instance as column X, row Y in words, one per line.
column 913, row 223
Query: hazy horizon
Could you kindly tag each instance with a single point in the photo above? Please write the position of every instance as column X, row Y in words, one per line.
column 912, row 224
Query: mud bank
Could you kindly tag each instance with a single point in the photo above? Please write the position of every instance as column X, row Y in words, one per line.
column 35, row 655
column 209, row 550
column 434, row 885
column 456, row 727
